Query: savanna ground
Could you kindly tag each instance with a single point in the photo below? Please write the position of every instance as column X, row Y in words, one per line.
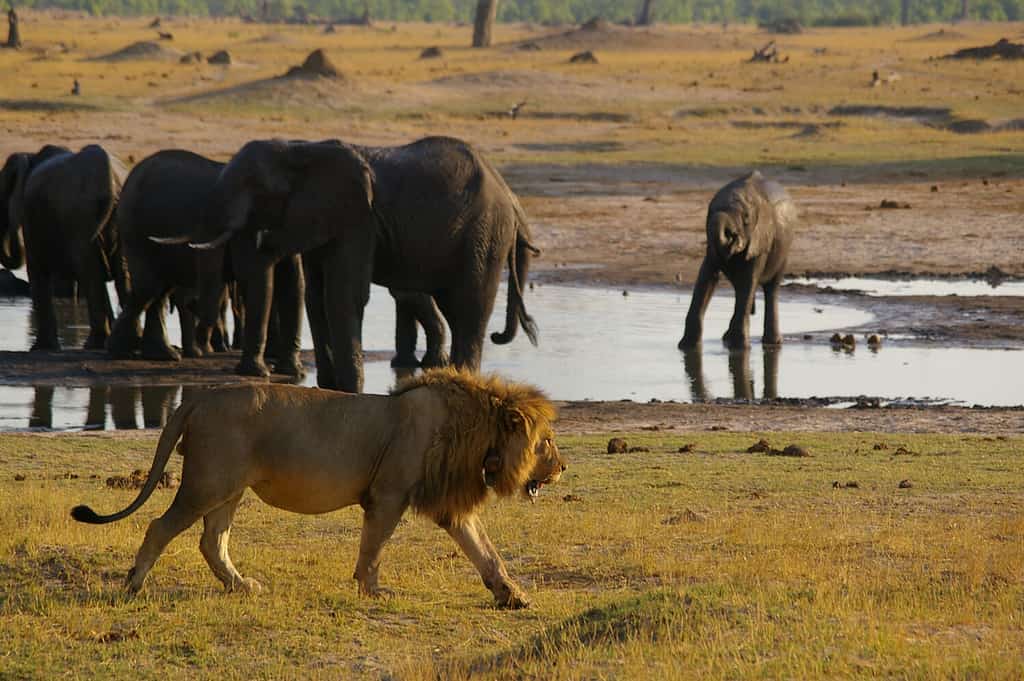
column 713, row 563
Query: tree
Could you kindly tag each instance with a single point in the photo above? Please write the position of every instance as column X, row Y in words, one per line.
column 904, row 12
column 646, row 16
column 13, row 36
column 486, row 10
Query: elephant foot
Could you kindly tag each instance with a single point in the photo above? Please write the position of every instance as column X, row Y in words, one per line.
column 735, row 341
column 216, row 346
column 51, row 345
column 290, row 367
column 192, row 352
column 160, row 353
column 404, row 361
column 688, row 343
column 96, row 341
column 434, row 360
column 252, row 367
column 771, row 340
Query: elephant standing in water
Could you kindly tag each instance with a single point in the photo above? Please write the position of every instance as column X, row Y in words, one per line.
column 55, row 214
column 750, row 227
column 432, row 217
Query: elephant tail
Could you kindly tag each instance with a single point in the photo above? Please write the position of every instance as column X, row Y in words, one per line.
column 515, row 310
column 173, row 431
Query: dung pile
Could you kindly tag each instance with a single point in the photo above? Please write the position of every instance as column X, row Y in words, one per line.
column 144, row 50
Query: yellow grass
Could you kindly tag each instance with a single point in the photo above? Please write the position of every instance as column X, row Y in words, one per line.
column 713, row 564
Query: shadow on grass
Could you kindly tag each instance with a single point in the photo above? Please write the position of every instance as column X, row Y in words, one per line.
column 44, row 105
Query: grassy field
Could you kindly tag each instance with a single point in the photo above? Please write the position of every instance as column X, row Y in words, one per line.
column 657, row 564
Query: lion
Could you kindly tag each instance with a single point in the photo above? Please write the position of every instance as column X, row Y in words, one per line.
column 440, row 443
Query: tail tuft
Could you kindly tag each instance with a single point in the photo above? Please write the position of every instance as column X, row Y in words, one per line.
column 529, row 326
column 84, row 514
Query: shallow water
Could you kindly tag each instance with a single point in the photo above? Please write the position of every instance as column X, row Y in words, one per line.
column 914, row 287
column 595, row 344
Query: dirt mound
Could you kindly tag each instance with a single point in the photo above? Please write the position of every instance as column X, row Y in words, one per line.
column 941, row 34
column 317, row 65
column 1001, row 49
column 598, row 34
column 144, row 50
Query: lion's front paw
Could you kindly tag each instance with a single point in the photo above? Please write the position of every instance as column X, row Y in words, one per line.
column 375, row 591
column 511, row 597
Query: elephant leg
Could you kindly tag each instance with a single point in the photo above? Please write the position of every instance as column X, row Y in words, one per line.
column 347, row 289
column 771, row 312
column 214, row 338
column 155, row 344
column 101, row 314
column 316, row 310
column 468, row 309
column 745, row 283
column 44, row 310
column 429, row 317
column 187, row 320
column 257, row 291
column 406, row 331
column 707, row 280
column 237, row 314
column 289, row 293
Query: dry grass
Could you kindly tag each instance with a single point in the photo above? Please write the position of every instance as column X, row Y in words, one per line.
column 712, row 564
column 679, row 101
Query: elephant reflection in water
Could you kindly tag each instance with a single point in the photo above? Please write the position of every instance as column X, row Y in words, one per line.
column 157, row 404
column 739, row 372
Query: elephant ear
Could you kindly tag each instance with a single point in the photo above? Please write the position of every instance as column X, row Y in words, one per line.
column 14, row 189
column 332, row 194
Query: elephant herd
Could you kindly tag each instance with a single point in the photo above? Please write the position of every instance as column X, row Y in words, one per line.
column 292, row 227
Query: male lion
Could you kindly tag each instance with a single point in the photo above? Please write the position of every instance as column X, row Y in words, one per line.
column 437, row 443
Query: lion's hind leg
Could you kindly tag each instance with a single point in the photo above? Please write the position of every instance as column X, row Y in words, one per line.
column 214, row 547
column 178, row 518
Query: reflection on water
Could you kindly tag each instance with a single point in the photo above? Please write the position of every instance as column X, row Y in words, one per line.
column 923, row 286
column 599, row 344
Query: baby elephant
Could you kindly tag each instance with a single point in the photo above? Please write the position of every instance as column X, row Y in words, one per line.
column 750, row 229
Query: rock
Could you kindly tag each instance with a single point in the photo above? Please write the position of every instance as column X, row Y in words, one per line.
column 889, row 204
column 572, row 498
column 905, row 484
column 191, row 58
column 617, row 446
column 433, row 52
column 874, row 341
column 18, row 477
column 586, row 57
column 219, row 57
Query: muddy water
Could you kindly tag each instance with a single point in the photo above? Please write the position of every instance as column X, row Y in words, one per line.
column 595, row 344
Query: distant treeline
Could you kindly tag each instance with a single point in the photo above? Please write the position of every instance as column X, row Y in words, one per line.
column 807, row 12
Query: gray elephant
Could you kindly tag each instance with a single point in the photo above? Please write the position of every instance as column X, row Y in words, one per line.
column 163, row 207
column 164, row 196
column 750, row 227
column 432, row 217
column 56, row 209
column 412, row 309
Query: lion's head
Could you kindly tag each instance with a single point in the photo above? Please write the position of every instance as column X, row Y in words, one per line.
column 498, row 436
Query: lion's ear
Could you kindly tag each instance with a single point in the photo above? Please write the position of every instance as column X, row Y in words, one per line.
column 515, row 422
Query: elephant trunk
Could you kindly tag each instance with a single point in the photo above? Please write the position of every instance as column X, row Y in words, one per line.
column 726, row 236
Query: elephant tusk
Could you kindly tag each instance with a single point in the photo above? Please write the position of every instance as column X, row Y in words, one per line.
column 169, row 240
column 216, row 243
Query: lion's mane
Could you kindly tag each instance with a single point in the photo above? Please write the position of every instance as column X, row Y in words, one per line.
column 485, row 413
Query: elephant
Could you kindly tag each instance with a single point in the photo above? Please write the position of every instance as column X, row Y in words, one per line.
column 410, row 308
column 164, row 196
column 432, row 217
column 55, row 214
column 163, row 205
column 749, row 227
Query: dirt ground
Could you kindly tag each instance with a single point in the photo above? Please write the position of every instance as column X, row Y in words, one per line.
column 615, row 163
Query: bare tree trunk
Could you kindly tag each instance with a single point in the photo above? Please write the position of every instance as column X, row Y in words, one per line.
column 13, row 35
column 963, row 10
column 904, row 12
column 646, row 16
column 486, row 10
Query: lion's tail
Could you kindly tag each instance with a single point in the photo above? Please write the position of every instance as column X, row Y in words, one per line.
column 168, row 439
